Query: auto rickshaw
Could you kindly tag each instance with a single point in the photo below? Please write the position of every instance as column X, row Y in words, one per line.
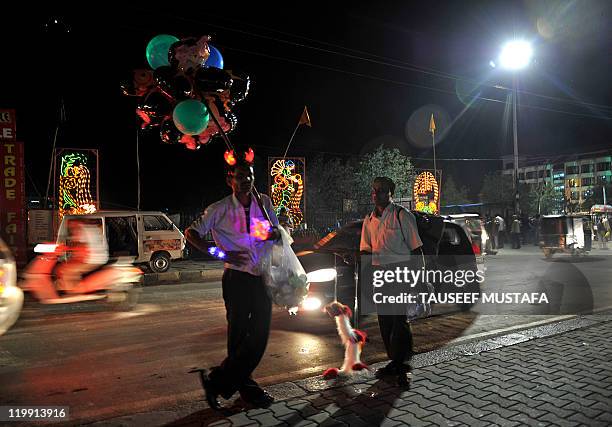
column 565, row 233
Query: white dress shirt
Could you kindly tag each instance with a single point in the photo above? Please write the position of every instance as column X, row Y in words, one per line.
column 227, row 221
column 388, row 239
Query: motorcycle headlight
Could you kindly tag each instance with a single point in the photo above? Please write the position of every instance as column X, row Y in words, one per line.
column 45, row 248
column 321, row 275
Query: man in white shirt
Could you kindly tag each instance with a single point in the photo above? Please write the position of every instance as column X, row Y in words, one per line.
column 501, row 231
column 247, row 302
column 390, row 234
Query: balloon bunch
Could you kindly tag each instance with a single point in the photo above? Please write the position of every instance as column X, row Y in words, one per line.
column 186, row 85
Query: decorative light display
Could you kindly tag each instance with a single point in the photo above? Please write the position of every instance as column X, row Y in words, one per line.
column 287, row 189
column 426, row 193
column 74, row 186
column 260, row 229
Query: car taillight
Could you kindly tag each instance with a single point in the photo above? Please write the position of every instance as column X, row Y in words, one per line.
column 476, row 249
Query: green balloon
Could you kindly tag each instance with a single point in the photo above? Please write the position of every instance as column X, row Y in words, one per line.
column 157, row 50
column 191, row 116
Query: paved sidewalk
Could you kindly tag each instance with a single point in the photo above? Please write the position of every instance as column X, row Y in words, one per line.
column 556, row 374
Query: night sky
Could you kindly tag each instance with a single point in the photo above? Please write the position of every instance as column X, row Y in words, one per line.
column 362, row 70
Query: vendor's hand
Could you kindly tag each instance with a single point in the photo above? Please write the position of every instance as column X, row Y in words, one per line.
column 275, row 234
column 237, row 258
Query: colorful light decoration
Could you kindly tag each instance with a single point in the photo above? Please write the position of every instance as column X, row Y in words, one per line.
column 287, row 189
column 74, row 186
column 260, row 229
column 426, row 193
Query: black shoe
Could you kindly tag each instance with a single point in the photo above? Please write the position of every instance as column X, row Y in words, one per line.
column 259, row 400
column 386, row 371
column 211, row 394
column 404, row 378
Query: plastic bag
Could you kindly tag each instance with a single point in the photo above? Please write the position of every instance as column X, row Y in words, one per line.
column 421, row 308
column 283, row 274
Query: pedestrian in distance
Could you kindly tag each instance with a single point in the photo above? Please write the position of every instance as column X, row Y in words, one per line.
column 515, row 232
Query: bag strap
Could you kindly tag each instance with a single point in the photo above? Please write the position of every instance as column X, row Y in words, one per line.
column 404, row 237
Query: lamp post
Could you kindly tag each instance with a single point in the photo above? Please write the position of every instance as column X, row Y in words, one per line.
column 514, row 56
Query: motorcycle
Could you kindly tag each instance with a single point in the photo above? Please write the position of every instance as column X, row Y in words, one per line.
column 11, row 297
column 114, row 282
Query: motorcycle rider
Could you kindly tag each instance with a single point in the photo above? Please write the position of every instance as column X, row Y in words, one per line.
column 86, row 249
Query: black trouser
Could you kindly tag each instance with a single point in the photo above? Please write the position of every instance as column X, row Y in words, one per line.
column 397, row 337
column 249, row 310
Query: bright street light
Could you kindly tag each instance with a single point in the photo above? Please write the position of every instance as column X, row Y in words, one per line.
column 515, row 54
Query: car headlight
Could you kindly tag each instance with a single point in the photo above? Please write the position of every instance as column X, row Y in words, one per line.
column 45, row 248
column 321, row 275
column 311, row 303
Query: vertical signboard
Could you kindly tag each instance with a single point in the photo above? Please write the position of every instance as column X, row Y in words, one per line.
column 12, row 187
column 426, row 191
column 286, row 181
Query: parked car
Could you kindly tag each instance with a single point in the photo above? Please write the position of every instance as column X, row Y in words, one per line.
column 11, row 296
column 149, row 237
column 332, row 262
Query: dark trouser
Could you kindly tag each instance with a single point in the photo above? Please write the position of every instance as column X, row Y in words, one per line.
column 249, row 311
column 397, row 337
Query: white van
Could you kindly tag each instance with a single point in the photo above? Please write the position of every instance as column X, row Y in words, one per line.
column 150, row 237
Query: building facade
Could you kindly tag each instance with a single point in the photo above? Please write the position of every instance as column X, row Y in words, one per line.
column 573, row 178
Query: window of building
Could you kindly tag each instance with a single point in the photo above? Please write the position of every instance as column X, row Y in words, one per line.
column 588, row 181
column 603, row 166
column 509, row 166
column 531, row 175
column 573, row 182
column 571, row 169
column 558, row 175
column 587, row 168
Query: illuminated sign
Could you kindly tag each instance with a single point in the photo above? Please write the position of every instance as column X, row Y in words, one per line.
column 287, row 187
column 12, row 199
column 426, row 193
column 74, row 185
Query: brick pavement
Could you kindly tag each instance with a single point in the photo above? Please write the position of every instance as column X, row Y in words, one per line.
column 562, row 379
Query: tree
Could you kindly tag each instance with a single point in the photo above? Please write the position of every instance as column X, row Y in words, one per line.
column 328, row 182
column 540, row 199
column 497, row 188
column 384, row 162
column 451, row 195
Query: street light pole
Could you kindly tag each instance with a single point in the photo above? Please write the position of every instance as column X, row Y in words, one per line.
column 515, row 137
column 515, row 55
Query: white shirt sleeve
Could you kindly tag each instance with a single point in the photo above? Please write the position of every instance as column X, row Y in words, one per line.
column 365, row 244
column 206, row 221
column 410, row 230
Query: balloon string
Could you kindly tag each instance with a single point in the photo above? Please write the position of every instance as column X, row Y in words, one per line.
column 226, row 139
column 229, row 145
